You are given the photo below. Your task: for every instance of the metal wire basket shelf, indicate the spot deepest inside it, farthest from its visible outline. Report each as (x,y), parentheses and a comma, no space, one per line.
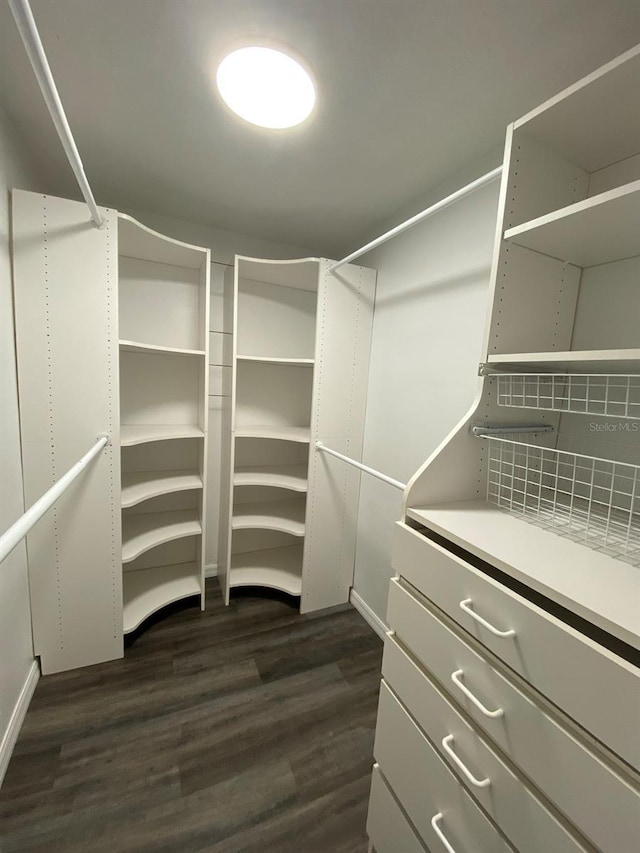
(592,501)
(581,393)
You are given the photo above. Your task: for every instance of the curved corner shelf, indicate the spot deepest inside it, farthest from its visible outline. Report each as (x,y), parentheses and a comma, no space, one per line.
(142,433)
(148,590)
(285,516)
(136,346)
(278,433)
(597,230)
(263,359)
(298,273)
(276,568)
(136,240)
(293,477)
(138,486)
(142,532)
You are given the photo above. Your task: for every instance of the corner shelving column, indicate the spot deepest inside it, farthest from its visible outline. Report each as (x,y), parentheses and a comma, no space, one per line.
(163,319)
(301,353)
(273,372)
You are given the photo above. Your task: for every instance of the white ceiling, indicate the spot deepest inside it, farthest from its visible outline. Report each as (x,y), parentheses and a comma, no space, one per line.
(409,92)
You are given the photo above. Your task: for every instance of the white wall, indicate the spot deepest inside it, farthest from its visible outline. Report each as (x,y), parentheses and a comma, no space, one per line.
(16,650)
(224,245)
(428,326)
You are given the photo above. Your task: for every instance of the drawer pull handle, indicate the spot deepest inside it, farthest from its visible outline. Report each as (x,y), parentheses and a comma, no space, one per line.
(455,677)
(478,783)
(435,823)
(464,605)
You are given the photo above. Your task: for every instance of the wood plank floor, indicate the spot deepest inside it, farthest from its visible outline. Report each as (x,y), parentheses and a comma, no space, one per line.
(248,728)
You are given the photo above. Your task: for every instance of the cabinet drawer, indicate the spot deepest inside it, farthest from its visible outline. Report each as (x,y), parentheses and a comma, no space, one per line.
(387,827)
(578,663)
(426,788)
(521,816)
(602,804)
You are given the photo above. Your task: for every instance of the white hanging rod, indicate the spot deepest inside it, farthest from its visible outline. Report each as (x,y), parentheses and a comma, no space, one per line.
(23,525)
(395,483)
(429,211)
(35,51)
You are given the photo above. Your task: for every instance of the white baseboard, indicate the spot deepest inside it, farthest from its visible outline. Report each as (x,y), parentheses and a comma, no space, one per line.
(211,570)
(17,718)
(368,614)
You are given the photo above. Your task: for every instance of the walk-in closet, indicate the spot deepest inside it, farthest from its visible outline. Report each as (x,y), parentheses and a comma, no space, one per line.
(319,426)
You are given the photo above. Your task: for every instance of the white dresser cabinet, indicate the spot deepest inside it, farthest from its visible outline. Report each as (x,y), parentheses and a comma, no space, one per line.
(511,670)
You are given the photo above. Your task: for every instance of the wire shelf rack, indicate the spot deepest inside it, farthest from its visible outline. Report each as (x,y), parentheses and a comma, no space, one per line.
(592,501)
(615,396)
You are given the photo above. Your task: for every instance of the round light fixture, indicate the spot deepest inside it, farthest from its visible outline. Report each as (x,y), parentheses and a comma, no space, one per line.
(266,87)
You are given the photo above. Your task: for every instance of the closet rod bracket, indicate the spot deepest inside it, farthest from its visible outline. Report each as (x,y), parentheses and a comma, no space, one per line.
(509,429)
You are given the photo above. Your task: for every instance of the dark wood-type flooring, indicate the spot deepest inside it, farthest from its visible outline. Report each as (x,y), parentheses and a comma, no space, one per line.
(248,728)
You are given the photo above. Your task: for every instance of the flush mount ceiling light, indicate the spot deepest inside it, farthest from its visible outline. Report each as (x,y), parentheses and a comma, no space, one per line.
(266,87)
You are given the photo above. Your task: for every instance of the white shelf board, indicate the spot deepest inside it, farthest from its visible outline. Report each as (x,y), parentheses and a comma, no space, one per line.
(276,568)
(593,585)
(147,590)
(264,359)
(145,531)
(138,486)
(136,346)
(594,231)
(613,360)
(286,516)
(292,477)
(282,433)
(141,433)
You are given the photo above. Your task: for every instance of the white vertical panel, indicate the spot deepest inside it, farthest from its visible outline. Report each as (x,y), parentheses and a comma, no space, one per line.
(534,300)
(66,286)
(221,304)
(229,284)
(539,181)
(220,349)
(220,359)
(343,342)
(203,321)
(608,310)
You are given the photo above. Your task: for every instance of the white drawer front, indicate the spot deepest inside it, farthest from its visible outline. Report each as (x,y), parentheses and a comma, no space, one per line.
(426,788)
(521,816)
(387,826)
(577,662)
(603,805)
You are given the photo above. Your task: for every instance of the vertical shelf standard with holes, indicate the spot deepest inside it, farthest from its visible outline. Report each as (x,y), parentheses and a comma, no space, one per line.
(163,321)
(66,316)
(519,550)
(300,366)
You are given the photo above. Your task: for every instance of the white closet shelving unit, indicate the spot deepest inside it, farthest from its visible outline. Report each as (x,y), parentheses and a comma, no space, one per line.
(562,350)
(112,337)
(517,561)
(163,323)
(301,351)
